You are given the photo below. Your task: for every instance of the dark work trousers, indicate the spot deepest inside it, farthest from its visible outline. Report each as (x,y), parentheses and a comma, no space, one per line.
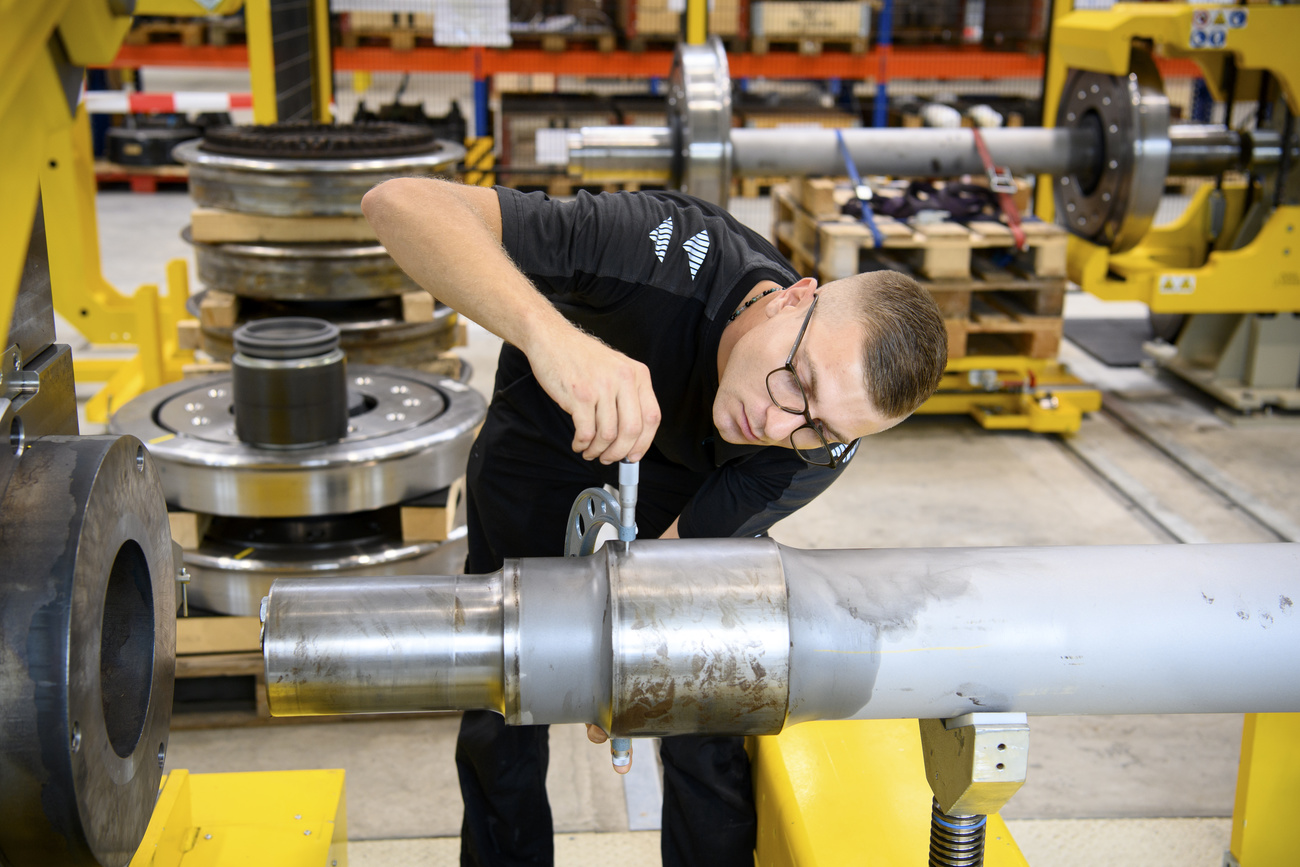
(522,479)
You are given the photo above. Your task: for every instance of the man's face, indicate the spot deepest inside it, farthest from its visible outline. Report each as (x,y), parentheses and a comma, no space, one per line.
(829,365)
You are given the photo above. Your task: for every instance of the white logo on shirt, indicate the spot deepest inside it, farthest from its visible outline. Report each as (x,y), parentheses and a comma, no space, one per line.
(662,234)
(839,451)
(696,249)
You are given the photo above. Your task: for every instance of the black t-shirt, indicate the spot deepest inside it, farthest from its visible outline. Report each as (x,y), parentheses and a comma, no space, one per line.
(656,275)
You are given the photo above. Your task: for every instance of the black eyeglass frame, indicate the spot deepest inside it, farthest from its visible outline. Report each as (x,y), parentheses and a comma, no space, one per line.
(811,423)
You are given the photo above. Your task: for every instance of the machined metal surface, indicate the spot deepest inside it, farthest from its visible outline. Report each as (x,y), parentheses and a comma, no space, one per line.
(231,580)
(287,187)
(699,109)
(289,383)
(1113,201)
(872,634)
(410,433)
(300,272)
(88,648)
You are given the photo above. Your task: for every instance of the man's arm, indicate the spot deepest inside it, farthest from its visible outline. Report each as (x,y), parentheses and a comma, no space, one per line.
(447,237)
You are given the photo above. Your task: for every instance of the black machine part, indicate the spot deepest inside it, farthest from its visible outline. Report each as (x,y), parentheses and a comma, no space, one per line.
(303,140)
(290,383)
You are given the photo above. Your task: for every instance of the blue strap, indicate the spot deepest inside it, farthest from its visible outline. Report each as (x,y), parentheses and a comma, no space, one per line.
(980,824)
(867,216)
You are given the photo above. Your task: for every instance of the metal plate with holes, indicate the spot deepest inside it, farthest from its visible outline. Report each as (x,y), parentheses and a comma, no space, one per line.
(301,187)
(411,436)
(699,108)
(300,272)
(1113,202)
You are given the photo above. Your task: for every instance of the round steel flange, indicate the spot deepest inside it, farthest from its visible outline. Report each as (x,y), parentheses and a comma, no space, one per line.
(300,272)
(409,434)
(1113,201)
(88,646)
(227,577)
(699,112)
(302,187)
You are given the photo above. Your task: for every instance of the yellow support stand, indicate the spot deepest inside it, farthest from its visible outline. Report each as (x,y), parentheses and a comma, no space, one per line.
(1263,817)
(261,60)
(1011,392)
(836,793)
(697,21)
(285,818)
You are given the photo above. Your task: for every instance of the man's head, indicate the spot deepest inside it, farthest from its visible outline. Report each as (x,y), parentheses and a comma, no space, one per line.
(873,351)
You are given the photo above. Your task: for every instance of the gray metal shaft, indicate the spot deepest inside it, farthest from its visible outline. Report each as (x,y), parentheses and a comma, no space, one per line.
(908,152)
(647,151)
(746,636)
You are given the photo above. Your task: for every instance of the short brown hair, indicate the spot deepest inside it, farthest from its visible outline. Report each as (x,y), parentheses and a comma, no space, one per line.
(905,344)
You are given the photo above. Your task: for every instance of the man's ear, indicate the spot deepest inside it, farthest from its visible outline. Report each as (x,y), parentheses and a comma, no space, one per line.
(792,295)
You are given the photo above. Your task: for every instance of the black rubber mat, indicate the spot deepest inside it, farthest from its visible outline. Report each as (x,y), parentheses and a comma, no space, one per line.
(1114,342)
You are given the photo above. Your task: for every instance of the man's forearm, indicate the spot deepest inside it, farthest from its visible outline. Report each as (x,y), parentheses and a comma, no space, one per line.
(448,239)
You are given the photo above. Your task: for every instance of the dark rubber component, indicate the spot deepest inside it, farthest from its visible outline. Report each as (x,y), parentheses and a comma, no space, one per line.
(316,141)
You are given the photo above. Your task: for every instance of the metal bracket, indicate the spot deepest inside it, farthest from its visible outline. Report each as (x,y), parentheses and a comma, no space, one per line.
(977,761)
(14,380)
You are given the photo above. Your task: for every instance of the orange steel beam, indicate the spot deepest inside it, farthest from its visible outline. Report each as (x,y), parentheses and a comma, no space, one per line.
(905,63)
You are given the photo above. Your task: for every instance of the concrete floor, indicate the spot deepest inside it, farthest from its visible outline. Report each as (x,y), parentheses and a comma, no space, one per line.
(1117,791)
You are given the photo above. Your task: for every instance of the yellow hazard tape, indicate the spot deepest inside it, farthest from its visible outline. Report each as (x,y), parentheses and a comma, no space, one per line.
(480,162)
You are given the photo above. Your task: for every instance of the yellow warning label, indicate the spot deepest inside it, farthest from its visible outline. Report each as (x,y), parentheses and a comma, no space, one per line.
(1177,284)
(1220,18)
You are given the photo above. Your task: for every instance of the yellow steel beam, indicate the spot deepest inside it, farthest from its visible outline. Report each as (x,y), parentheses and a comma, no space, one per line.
(697,21)
(261,60)
(1263,817)
(836,793)
(322,63)
(185,8)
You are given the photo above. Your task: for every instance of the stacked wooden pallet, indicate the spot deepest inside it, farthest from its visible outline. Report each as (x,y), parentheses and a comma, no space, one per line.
(996,299)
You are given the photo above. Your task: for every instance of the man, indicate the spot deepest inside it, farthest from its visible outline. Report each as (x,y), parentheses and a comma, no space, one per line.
(608,304)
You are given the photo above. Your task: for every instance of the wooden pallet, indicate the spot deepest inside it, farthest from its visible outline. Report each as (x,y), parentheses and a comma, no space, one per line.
(605,41)
(931,251)
(808,46)
(994,305)
(188,33)
(752,187)
(397,31)
(141,179)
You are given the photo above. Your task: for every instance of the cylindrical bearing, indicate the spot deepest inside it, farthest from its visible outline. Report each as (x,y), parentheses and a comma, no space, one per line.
(289,382)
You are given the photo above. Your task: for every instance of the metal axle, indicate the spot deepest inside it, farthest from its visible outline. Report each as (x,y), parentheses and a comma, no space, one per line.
(745,636)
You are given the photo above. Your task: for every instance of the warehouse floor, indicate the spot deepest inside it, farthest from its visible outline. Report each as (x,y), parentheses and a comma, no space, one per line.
(1117,791)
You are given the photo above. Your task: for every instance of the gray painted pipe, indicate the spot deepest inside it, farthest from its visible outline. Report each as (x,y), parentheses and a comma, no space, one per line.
(744,636)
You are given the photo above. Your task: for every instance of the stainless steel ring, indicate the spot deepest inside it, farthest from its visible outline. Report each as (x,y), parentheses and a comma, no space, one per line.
(296,187)
(699,105)
(300,272)
(1114,203)
(394,452)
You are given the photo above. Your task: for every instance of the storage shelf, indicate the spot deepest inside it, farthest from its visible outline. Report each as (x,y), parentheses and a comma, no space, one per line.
(904,63)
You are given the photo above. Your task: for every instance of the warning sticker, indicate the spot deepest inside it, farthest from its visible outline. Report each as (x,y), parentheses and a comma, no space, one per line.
(1177,284)
(1210,26)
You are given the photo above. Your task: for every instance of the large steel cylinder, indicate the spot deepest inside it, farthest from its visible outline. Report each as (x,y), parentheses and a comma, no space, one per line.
(87,651)
(745,636)
(290,385)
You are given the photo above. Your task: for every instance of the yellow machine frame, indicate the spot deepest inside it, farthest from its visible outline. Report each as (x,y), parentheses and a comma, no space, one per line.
(1170,270)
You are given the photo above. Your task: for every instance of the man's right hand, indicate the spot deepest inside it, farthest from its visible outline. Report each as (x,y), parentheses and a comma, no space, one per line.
(610,396)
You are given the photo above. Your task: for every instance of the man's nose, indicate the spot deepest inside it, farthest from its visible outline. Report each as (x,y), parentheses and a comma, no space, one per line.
(779,424)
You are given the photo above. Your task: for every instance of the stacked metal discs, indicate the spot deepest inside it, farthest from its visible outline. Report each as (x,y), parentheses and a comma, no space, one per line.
(301,175)
(297,465)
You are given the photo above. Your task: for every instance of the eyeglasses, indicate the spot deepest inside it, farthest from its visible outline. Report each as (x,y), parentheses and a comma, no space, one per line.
(786,391)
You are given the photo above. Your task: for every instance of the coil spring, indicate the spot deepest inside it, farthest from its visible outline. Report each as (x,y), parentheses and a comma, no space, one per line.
(956,841)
